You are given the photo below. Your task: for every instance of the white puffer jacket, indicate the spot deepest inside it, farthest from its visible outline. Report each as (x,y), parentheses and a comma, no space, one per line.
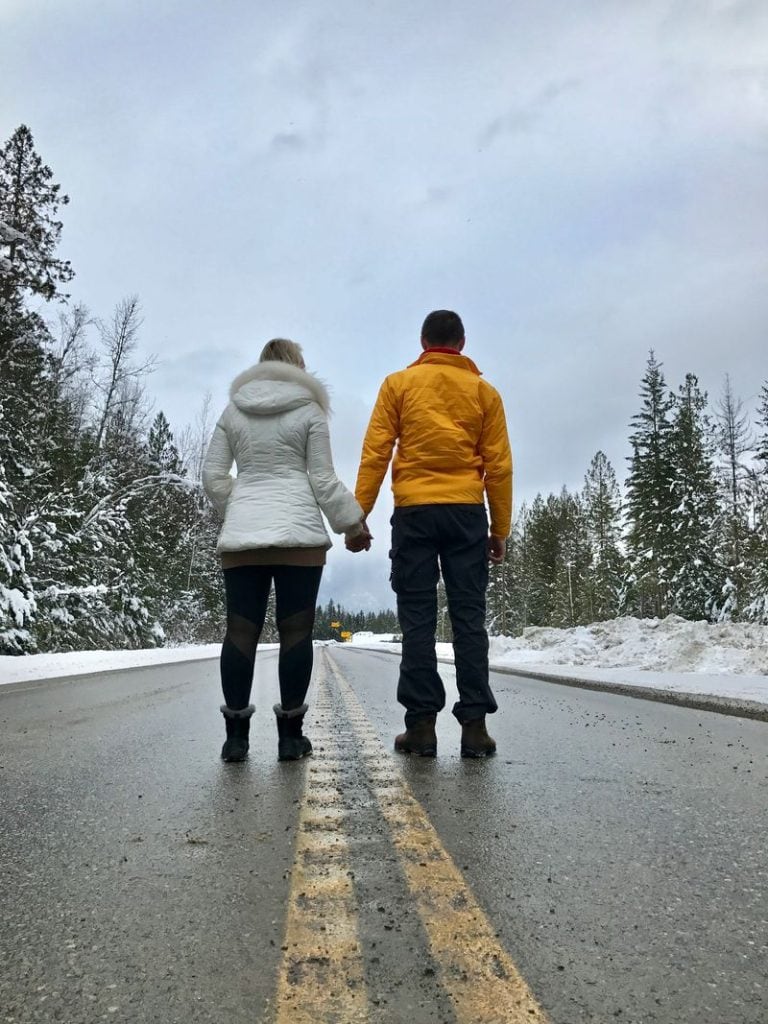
(275,429)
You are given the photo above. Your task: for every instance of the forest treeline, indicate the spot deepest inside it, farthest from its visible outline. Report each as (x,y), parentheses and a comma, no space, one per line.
(688,535)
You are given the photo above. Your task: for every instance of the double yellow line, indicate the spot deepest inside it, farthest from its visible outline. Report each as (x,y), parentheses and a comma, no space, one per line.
(322,977)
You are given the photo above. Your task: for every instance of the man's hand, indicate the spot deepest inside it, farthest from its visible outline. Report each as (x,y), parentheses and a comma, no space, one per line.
(358,538)
(496,548)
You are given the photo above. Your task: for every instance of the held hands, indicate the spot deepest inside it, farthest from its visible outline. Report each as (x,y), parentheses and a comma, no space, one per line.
(496,548)
(358,538)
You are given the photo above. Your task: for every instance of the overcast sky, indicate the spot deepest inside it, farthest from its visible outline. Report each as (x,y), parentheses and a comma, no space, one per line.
(580,181)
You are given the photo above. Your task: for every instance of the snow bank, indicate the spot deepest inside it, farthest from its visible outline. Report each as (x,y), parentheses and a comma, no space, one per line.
(671,644)
(365,637)
(671,654)
(25,668)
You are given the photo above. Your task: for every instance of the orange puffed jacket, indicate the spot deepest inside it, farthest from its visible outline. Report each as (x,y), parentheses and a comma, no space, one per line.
(451,434)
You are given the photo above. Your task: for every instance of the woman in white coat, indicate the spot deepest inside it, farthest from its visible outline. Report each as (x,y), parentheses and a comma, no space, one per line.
(275,429)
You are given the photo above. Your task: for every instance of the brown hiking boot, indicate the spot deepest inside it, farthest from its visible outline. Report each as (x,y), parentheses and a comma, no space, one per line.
(419,739)
(475,741)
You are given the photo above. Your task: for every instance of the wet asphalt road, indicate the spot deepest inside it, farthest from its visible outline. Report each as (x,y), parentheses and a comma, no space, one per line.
(618,848)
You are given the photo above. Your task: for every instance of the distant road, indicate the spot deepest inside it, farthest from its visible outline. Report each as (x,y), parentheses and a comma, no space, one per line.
(609,865)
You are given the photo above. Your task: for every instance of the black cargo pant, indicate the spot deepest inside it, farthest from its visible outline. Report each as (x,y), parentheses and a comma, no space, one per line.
(457,536)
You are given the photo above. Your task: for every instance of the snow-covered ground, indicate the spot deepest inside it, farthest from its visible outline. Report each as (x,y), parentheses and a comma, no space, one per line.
(75,663)
(667,645)
(670,654)
(729,660)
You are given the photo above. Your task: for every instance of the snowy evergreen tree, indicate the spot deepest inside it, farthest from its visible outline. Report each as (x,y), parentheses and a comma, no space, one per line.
(500,596)
(570,586)
(552,560)
(199,612)
(520,558)
(541,561)
(756,609)
(31,408)
(162,516)
(22,368)
(602,511)
(509,583)
(650,500)
(697,578)
(734,443)
(444,631)
(29,203)
(28,404)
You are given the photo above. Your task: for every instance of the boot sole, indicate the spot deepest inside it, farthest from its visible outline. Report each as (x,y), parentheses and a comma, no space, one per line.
(477,754)
(294,757)
(426,752)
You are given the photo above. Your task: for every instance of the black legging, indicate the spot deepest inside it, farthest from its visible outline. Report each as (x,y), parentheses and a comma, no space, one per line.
(247,588)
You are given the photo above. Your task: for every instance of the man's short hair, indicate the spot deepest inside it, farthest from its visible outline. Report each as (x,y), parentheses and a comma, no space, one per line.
(443,328)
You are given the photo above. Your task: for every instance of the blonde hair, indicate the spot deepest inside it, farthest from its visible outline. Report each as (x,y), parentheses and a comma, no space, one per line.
(281,350)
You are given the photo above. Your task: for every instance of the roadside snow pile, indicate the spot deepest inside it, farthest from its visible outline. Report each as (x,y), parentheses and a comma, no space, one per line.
(27,667)
(671,645)
(366,637)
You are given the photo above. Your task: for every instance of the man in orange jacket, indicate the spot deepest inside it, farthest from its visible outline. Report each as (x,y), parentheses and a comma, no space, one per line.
(452,452)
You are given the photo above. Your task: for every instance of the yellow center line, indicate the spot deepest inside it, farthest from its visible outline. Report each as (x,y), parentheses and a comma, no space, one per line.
(477,973)
(321,979)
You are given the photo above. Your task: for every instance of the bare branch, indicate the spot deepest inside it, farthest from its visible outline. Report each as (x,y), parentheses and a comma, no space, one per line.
(119,341)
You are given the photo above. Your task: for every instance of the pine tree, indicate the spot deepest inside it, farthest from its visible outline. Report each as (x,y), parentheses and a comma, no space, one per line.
(29,203)
(200,614)
(553,562)
(756,609)
(570,590)
(520,576)
(22,369)
(649,499)
(541,560)
(733,444)
(696,578)
(29,396)
(163,521)
(444,632)
(500,596)
(602,512)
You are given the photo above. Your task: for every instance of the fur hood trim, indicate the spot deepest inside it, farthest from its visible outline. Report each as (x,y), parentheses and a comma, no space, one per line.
(287,373)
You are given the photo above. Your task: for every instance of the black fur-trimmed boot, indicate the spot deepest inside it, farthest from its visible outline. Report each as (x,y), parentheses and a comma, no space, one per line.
(292,744)
(238,725)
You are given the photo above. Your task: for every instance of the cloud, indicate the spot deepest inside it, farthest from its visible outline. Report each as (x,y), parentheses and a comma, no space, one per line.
(289,141)
(526,116)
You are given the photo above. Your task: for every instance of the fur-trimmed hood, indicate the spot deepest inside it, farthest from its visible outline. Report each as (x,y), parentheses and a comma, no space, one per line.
(273,387)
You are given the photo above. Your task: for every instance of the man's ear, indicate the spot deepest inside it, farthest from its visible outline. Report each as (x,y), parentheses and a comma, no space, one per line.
(424,344)
(461,344)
